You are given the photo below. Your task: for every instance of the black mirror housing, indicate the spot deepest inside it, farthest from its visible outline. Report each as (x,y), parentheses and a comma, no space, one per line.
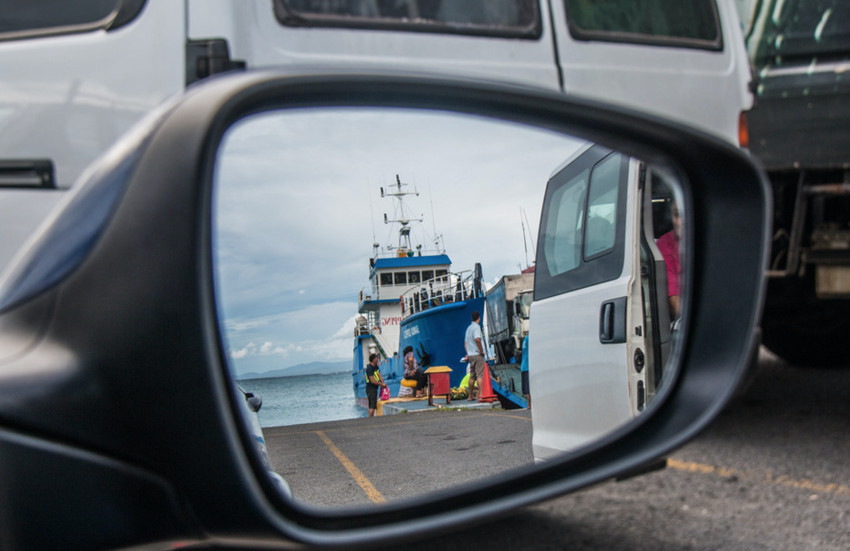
(113,372)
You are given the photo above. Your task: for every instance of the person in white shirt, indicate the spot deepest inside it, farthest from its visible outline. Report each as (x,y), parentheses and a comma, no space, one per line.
(474,344)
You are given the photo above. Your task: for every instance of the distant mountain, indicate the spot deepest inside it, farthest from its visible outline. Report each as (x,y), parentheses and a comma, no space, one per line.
(312,368)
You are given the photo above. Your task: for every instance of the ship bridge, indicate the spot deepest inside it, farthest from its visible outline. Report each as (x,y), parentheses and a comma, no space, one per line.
(392,277)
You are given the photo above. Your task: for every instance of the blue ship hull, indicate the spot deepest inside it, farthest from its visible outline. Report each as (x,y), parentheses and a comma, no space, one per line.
(436,336)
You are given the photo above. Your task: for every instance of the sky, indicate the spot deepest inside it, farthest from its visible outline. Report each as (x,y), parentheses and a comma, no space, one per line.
(297,207)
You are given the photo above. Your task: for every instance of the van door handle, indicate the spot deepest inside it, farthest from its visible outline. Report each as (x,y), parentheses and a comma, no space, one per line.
(27,174)
(606,322)
(612,321)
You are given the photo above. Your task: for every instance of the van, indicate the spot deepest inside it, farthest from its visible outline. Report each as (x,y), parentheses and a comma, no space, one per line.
(77,76)
(604,315)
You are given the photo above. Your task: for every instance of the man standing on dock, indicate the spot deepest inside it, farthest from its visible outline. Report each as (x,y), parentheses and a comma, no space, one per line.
(374,379)
(474,344)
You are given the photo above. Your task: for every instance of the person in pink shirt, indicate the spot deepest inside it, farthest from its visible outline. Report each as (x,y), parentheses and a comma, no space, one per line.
(668,246)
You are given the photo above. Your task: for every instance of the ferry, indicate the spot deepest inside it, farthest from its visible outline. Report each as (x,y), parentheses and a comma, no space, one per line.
(414,299)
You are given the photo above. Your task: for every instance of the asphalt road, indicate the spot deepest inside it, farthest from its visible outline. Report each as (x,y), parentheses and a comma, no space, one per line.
(772,472)
(380,459)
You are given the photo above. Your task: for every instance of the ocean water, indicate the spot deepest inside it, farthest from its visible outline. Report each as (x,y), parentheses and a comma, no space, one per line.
(304,399)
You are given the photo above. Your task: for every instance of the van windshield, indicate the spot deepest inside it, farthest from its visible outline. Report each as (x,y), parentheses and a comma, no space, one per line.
(693,23)
(798,31)
(514,18)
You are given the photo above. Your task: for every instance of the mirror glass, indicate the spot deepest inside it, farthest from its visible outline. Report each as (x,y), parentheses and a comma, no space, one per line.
(353,249)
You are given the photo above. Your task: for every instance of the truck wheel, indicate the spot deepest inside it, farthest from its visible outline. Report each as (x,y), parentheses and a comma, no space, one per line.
(804,330)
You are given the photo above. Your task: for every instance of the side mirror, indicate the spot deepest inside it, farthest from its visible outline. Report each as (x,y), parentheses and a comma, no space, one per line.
(254,403)
(202,228)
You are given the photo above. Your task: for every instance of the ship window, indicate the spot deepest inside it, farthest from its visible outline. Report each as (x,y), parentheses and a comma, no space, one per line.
(693,24)
(386,280)
(427,274)
(413,277)
(400,278)
(441,273)
(505,18)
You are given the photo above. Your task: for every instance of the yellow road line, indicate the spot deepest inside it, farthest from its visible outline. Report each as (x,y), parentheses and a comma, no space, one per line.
(509,416)
(701,468)
(361,427)
(352,469)
(781,480)
(419,420)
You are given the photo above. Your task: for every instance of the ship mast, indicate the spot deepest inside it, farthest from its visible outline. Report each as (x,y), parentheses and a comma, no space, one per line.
(398,192)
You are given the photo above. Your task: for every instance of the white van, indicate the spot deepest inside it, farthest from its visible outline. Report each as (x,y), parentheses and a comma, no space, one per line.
(77,75)
(601,318)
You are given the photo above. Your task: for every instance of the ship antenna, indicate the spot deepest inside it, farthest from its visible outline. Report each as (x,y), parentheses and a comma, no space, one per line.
(404,231)
(530,236)
(437,237)
(524,243)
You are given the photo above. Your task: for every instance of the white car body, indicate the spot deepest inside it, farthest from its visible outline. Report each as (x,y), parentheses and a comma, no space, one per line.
(249,407)
(600,320)
(68,93)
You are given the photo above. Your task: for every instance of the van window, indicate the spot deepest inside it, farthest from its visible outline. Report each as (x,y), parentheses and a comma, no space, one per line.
(602,208)
(30,18)
(509,18)
(582,240)
(691,23)
(563,230)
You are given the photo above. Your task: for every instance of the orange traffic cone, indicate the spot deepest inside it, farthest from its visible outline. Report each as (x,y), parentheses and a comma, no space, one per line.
(485,394)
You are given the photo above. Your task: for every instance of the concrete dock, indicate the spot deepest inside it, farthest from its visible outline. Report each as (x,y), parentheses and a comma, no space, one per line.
(394,406)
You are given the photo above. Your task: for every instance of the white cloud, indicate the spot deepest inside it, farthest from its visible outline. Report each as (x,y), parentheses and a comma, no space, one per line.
(295,337)
(347,329)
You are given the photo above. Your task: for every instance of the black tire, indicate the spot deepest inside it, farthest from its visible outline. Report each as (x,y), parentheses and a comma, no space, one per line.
(802,329)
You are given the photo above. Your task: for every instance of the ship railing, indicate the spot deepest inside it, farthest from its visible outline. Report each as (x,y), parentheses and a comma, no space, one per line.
(376,294)
(365,325)
(404,252)
(453,287)
(383,348)
(368,326)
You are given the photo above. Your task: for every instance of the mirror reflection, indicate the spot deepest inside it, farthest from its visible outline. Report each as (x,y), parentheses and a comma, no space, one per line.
(425,299)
